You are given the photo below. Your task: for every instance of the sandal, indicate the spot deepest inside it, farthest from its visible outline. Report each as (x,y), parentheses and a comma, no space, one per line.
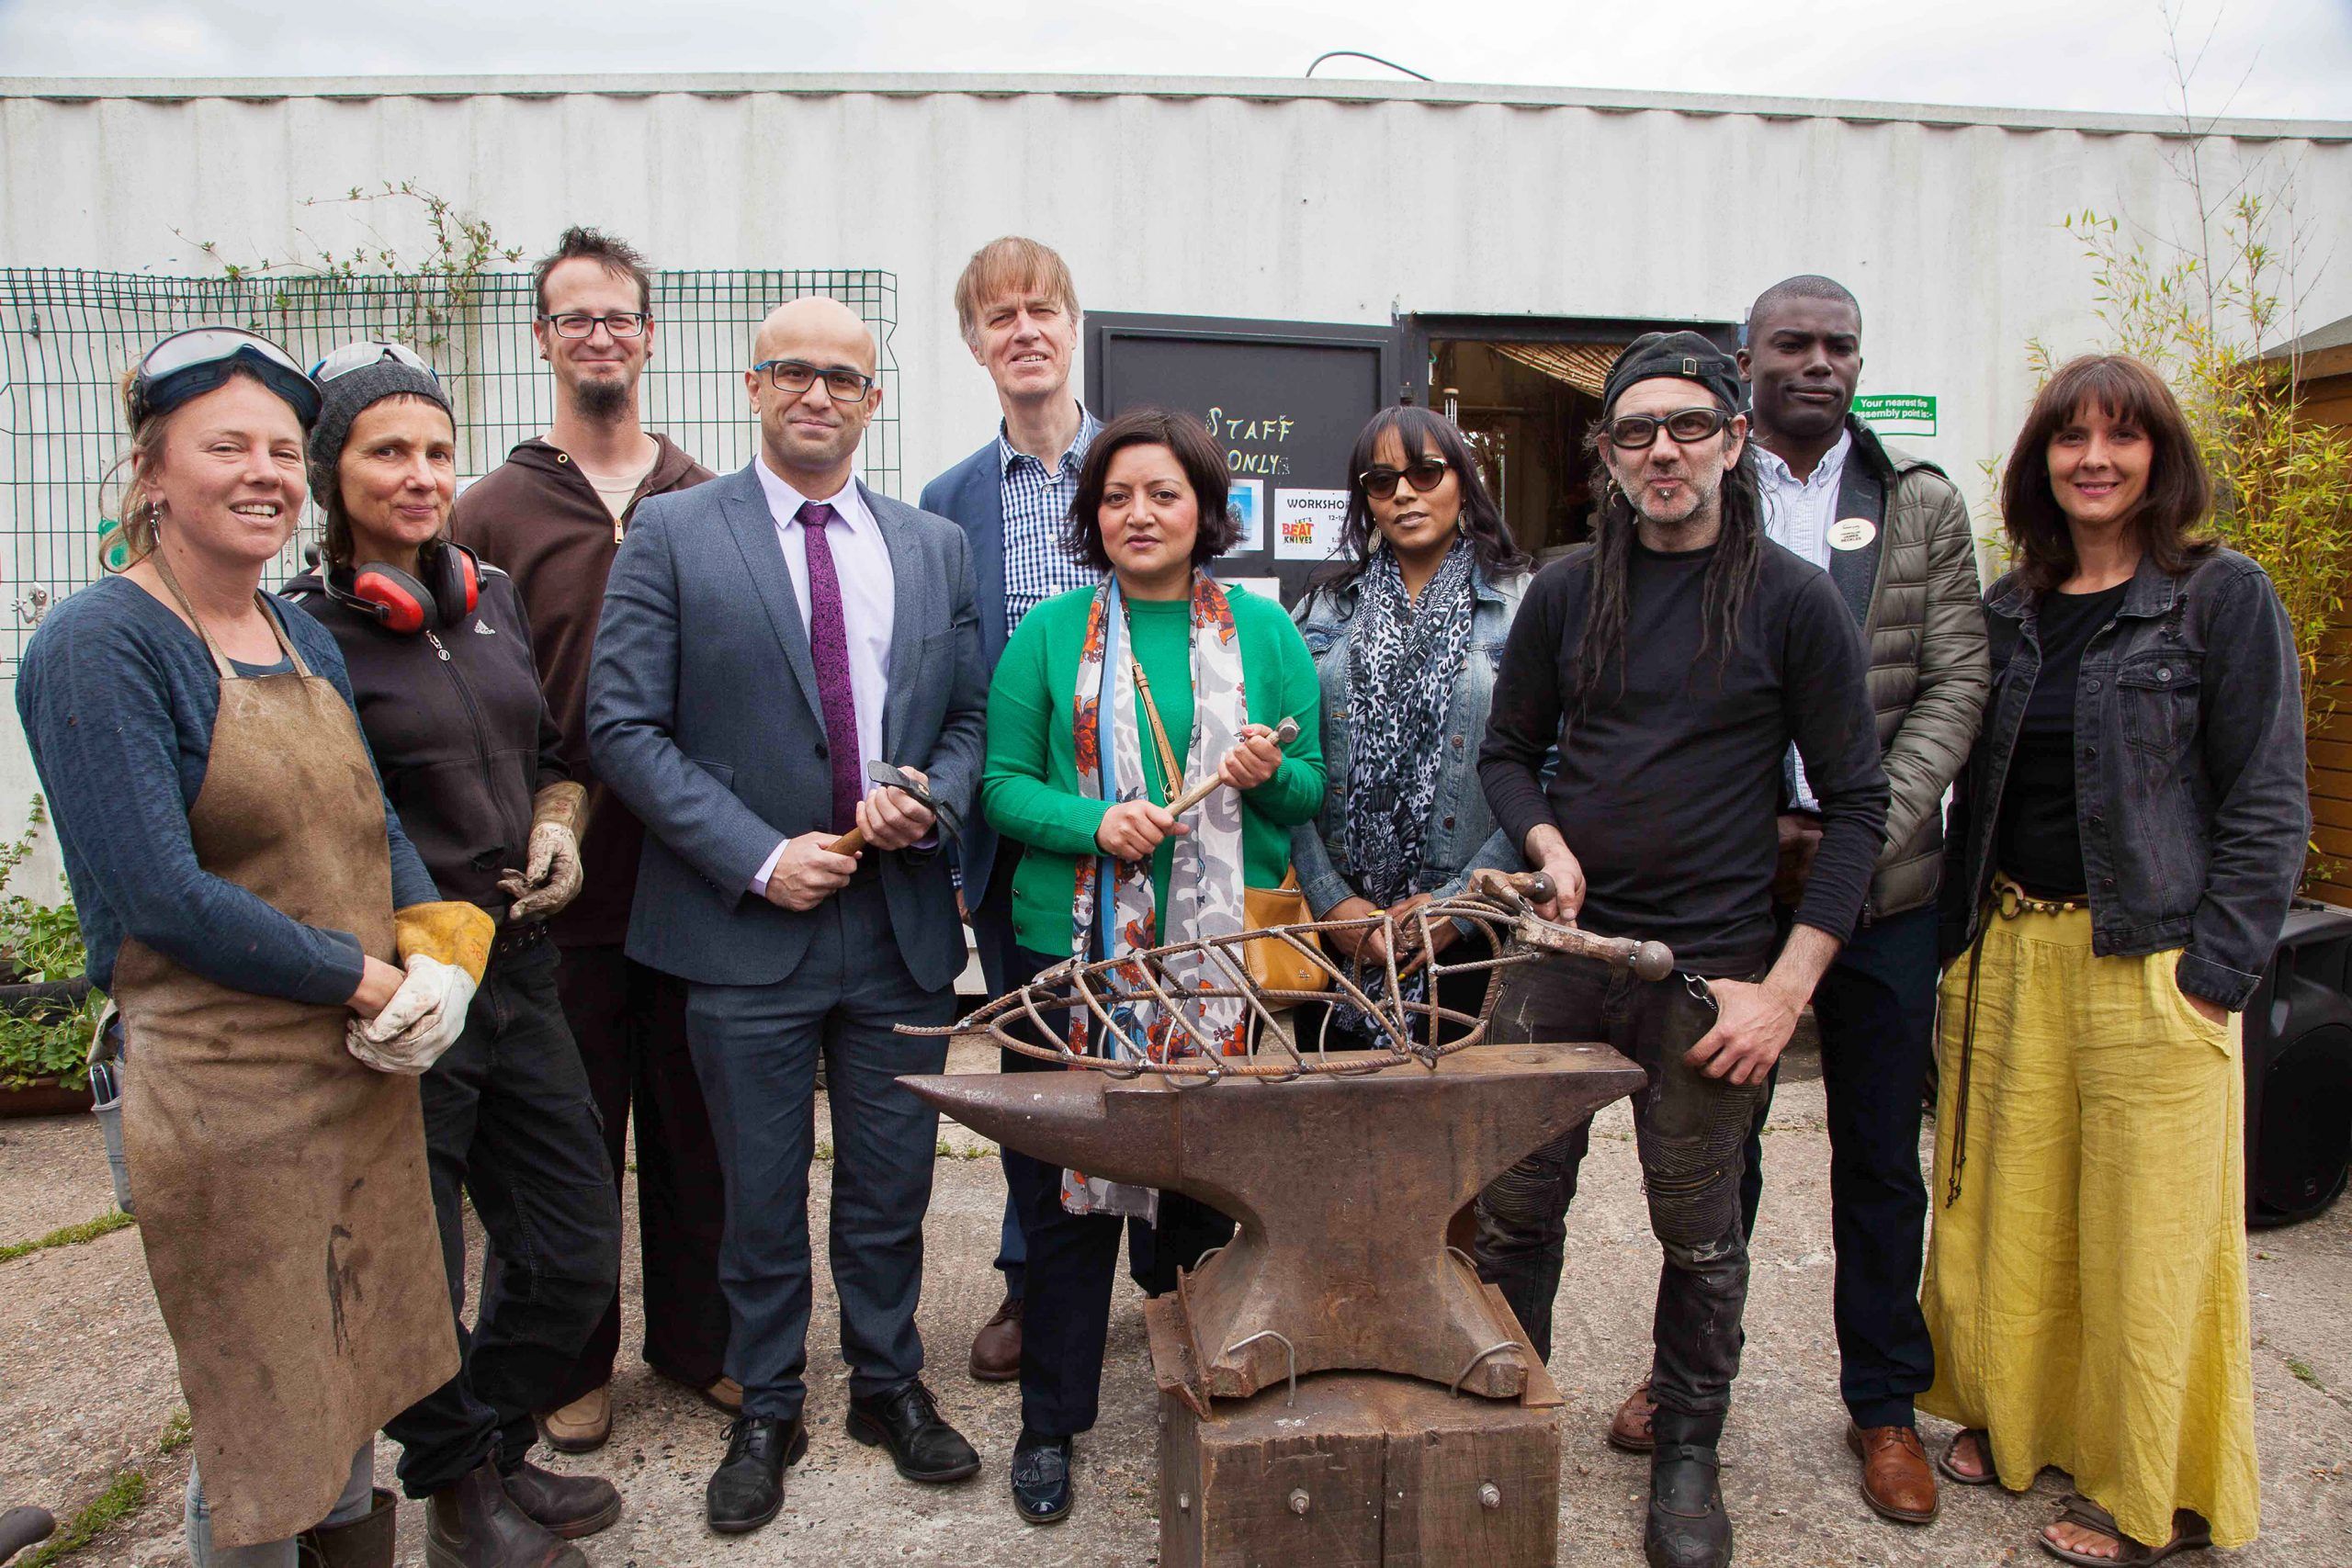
(1960,1477)
(2189,1533)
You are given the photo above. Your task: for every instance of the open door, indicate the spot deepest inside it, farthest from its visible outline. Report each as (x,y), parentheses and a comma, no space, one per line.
(1283,402)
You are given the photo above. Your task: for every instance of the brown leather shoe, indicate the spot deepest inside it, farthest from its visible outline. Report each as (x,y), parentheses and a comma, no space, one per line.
(1629,1429)
(1897,1481)
(725,1394)
(474,1525)
(996,1348)
(581,1426)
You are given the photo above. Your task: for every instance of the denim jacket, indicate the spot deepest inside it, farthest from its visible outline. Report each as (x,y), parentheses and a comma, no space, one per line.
(1461,835)
(2190,795)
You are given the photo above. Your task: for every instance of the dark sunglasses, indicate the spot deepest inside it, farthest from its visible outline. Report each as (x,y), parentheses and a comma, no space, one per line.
(1639,432)
(366,352)
(190,364)
(1424,474)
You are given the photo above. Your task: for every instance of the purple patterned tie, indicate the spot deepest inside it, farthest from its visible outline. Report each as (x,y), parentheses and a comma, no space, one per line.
(829,646)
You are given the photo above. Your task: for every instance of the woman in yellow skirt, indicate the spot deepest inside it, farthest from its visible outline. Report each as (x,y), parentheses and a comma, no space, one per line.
(2133,822)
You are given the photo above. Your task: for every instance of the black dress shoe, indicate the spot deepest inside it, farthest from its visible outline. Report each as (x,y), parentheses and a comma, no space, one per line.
(906,1421)
(566,1506)
(1687,1527)
(1041,1478)
(747,1489)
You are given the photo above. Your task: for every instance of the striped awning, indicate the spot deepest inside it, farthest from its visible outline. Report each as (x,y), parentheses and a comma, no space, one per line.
(1583,365)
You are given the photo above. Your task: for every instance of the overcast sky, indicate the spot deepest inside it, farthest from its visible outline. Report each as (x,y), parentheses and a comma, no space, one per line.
(2284,58)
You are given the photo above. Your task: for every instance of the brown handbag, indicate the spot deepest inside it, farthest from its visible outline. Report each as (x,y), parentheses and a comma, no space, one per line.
(1274,964)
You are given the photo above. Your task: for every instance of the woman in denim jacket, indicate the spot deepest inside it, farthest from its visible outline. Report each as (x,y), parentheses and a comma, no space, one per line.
(1405,634)
(2132,822)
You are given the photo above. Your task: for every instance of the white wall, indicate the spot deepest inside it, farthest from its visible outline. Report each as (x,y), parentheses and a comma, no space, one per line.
(1339,202)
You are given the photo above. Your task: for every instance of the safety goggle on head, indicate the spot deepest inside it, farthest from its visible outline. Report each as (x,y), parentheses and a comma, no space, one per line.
(189,363)
(366,352)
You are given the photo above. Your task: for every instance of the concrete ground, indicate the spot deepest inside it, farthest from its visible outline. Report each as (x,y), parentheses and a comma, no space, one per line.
(87,1390)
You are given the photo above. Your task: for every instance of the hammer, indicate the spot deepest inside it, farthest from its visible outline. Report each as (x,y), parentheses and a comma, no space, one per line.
(1647,960)
(896,778)
(1285,733)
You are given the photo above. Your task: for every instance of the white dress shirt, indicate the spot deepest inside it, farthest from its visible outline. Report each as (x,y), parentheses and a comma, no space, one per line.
(1797,514)
(869,604)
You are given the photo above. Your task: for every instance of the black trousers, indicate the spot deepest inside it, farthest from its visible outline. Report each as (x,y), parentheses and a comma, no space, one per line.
(1001,967)
(1073,1260)
(508,1120)
(1688,1129)
(631,1023)
(1876,1009)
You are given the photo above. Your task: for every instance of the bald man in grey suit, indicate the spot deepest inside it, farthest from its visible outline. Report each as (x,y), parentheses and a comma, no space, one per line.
(766,637)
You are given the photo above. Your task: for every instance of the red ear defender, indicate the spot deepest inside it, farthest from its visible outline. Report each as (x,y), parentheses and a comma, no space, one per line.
(466,575)
(392,595)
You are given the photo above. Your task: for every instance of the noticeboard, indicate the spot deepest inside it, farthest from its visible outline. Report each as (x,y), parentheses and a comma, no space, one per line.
(1283,401)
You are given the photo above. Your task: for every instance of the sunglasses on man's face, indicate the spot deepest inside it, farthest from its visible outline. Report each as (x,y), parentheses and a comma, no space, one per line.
(1639,432)
(1424,474)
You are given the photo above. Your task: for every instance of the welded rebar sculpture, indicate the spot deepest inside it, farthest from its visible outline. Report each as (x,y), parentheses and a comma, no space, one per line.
(1342,1168)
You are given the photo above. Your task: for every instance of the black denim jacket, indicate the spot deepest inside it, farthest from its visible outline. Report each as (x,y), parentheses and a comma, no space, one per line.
(2190,792)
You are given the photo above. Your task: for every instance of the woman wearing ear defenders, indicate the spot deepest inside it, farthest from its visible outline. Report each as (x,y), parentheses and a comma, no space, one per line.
(237,871)
(440,661)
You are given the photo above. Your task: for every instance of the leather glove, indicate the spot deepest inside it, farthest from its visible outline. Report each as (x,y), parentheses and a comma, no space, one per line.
(550,875)
(445,947)
(423,1020)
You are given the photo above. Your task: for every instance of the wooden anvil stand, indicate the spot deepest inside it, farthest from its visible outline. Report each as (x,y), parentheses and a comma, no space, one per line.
(1338,1390)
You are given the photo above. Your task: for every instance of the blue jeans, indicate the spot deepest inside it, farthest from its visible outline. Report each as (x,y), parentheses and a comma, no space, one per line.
(755,1048)
(359,1496)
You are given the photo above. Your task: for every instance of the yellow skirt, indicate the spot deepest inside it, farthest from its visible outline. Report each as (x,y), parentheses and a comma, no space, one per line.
(2087,1292)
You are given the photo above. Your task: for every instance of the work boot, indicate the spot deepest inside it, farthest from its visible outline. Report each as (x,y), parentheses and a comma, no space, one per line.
(475,1524)
(363,1542)
(566,1506)
(1687,1527)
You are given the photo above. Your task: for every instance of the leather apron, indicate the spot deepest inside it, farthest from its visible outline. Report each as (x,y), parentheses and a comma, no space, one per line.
(283,1199)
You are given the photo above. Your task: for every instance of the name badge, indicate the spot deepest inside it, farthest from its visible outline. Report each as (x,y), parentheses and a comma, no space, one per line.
(1851,533)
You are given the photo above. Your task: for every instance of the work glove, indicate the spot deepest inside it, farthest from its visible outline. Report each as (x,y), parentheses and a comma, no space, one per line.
(550,875)
(445,947)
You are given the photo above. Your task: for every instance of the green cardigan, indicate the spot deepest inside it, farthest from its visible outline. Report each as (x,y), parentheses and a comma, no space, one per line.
(1030,792)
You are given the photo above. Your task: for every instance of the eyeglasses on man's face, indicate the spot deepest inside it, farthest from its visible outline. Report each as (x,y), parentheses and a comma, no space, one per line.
(579,324)
(842,384)
(1639,432)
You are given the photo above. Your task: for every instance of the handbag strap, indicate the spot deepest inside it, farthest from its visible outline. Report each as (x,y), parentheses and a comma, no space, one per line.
(1171,773)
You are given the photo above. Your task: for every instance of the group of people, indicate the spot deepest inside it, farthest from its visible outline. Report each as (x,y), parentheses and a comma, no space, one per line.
(616,791)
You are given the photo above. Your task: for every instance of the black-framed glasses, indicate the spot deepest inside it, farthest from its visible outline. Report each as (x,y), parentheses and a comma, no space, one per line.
(843,385)
(1639,432)
(366,352)
(579,324)
(1424,473)
(189,363)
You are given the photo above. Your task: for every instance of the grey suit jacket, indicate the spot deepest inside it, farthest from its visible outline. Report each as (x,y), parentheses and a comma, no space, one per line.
(703,715)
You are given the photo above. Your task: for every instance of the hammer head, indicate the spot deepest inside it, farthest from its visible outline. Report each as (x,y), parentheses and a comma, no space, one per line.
(891,776)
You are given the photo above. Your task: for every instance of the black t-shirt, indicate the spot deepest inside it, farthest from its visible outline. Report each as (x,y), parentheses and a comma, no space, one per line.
(2038,838)
(1668,787)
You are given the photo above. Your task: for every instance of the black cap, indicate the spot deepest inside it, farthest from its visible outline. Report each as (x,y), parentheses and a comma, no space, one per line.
(1683,357)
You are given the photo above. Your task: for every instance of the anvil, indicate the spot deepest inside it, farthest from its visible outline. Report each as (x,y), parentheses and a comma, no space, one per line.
(1341,1185)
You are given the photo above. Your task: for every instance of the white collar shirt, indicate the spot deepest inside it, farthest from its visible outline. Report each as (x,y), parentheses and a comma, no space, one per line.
(869,606)
(1798,512)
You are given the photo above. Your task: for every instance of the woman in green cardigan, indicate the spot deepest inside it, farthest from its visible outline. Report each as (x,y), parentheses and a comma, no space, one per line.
(1107,702)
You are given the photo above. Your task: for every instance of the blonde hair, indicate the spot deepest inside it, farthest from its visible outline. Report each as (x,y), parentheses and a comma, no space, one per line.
(135,504)
(1012,265)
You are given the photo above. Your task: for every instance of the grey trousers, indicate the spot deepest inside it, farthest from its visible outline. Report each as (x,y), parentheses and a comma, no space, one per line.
(359,1496)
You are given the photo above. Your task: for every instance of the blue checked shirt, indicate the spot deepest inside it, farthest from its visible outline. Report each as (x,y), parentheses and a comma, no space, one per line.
(1036,503)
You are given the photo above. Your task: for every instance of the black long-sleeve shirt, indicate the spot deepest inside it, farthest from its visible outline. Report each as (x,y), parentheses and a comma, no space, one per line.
(1669,784)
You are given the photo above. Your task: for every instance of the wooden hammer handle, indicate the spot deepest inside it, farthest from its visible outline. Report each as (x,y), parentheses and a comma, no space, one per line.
(1285,733)
(849,843)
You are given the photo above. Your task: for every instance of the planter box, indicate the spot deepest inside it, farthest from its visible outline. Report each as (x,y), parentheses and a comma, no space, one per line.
(43,1097)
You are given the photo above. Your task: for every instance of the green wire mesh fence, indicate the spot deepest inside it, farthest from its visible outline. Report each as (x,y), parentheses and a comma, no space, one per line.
(66,336)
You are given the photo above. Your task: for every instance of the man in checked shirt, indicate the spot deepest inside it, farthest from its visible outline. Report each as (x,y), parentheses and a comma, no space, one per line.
(1018,309)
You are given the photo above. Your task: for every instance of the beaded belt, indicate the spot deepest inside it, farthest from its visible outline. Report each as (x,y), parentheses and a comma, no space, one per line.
(2011,900)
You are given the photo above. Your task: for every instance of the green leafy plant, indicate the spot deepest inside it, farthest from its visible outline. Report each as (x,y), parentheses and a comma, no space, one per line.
(41,941)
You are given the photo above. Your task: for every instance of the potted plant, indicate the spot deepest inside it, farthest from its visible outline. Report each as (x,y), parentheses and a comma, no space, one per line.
(47,1008)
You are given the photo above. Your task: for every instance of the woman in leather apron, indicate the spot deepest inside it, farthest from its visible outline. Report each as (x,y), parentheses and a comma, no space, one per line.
(236,872)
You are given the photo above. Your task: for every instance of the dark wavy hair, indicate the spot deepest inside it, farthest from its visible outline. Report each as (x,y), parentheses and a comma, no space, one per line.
(1731,574)
(1204,467)
(2180,491)
(1419,432)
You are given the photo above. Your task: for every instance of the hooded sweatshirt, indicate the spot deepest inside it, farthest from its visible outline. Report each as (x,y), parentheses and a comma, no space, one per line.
(537,517)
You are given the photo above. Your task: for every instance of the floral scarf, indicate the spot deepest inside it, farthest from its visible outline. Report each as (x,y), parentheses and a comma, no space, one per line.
(1112,909)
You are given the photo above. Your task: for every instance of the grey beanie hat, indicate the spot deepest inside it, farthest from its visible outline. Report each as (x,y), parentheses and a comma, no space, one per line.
(341,400)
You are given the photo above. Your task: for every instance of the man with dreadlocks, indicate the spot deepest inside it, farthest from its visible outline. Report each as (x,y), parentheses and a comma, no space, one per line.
(1672,662)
